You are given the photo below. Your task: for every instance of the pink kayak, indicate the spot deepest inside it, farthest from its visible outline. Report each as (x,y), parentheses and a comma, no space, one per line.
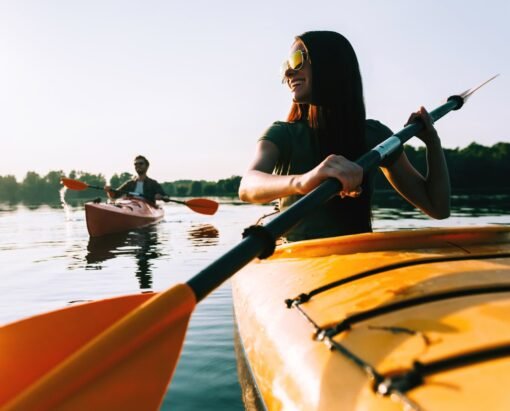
(123,215)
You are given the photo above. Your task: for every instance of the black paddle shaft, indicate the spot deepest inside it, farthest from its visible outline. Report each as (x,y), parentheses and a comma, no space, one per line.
(260,242)
(121,192)
(166,199)
(113,190)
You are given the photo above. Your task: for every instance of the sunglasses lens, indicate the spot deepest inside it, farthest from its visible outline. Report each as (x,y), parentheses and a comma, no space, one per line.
(296,60)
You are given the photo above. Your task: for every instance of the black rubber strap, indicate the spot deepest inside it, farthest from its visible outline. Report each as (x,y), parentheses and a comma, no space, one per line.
(264,234)
(305,297)
(407,380)
(347,322)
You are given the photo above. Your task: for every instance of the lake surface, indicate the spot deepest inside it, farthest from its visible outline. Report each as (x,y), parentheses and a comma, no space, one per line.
(48,261)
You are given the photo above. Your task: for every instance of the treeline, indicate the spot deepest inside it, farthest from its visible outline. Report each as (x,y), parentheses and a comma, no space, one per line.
(475,167)
(36,189)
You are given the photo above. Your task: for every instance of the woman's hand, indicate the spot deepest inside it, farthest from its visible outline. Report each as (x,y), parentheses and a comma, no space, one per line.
(347,172)
(429,193)
(429,134)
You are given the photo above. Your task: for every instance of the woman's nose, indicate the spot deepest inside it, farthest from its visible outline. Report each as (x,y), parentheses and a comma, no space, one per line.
(287,74)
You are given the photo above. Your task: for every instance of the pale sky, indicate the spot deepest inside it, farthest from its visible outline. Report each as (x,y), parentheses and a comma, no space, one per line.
(89,84)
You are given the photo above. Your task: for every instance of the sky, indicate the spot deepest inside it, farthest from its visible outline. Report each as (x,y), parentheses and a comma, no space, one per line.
(87,85)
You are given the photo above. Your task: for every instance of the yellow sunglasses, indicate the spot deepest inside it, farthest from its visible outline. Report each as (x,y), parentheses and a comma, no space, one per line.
(294,62)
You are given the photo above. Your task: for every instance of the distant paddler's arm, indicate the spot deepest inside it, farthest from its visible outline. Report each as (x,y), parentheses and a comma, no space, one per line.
(118,192)
(431,193)
(109,192)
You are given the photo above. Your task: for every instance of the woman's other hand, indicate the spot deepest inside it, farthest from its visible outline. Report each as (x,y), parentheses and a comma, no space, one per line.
(429,134)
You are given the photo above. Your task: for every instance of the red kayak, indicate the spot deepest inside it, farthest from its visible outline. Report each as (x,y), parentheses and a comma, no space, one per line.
(123,215)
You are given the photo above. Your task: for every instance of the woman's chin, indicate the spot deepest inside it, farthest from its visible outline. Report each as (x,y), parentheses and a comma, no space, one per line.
(300,98)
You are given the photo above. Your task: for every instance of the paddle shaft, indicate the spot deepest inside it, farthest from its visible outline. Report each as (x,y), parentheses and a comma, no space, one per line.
(254,244)
(166,199)
(169,200)
(118,191)
(101,188)
(113,190)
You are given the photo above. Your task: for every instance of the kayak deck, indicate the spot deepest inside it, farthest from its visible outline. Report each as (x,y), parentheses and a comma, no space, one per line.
(123,215)
(429,308)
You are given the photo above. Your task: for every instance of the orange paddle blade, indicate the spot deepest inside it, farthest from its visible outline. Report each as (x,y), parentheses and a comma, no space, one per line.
(111,354)
(74,184)
(203,205)
(57,334)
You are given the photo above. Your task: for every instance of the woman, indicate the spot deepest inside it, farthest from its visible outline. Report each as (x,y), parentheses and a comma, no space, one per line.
(326,131)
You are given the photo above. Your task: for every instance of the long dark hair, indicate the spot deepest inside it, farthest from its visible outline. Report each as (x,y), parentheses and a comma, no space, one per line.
(336,113)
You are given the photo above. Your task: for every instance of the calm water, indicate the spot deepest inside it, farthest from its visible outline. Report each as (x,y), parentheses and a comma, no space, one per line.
(48,261)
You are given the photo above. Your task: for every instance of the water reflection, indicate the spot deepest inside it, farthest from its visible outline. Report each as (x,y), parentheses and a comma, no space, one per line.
(397,214)
(203,235)
(480,204)
(143,244)
(100,249)
(34,206)
(7,208)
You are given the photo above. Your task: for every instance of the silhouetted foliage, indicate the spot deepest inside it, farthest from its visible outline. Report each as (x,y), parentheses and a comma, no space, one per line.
(474,168)
(195,188)
(118,179)
(9,189)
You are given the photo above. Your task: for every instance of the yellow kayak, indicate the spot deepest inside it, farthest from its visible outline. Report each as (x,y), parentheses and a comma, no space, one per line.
(415,319)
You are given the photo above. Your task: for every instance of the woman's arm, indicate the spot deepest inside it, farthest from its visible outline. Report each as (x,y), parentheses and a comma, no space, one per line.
(258,185)
(431,194)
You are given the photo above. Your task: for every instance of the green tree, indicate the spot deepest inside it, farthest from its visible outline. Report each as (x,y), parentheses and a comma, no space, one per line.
(182,190)
(169,188)
(9,189)
(118,179)
(228,186)
(52,186)
(32,188)
(196,188)
(209,189)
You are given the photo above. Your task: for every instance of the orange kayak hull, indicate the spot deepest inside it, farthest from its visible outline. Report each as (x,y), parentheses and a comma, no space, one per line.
(123,215)
(387,321)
